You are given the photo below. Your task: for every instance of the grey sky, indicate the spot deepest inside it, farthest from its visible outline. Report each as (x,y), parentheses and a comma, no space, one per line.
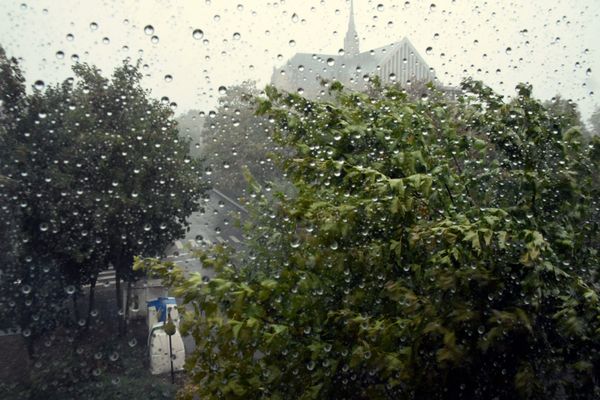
(552,43)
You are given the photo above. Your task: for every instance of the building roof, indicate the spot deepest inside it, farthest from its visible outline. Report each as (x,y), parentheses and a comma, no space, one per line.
(398,61)
(306,70)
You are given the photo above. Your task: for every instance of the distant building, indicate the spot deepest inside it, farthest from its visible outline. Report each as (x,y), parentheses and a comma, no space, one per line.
(399,62)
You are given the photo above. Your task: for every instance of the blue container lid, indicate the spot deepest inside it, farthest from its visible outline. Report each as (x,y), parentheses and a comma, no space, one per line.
(161,306)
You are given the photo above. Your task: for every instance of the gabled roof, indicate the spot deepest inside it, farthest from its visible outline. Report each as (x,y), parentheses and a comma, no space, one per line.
(306,70)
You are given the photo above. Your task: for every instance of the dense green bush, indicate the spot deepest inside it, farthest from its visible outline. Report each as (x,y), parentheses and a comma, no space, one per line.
(437,249)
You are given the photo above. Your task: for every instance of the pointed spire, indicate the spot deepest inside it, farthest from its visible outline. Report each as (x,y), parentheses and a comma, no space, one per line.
(351,41)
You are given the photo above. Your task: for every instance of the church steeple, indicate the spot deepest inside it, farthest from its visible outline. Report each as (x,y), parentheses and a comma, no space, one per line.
(351,39)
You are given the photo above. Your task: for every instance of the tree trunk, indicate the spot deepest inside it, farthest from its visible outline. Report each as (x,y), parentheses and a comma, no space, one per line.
(127,304)
(76,306)
(119,297)
(91,302)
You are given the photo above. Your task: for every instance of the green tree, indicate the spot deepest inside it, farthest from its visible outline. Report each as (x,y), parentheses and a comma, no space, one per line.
(235,139)
(435,249)
(595,121)
(32,295)
(565,113)
(103,176)
(190,129)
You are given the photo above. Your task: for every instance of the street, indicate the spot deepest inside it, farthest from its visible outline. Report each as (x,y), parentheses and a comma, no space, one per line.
(213,224)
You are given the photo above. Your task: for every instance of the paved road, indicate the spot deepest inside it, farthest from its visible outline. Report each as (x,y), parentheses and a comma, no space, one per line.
(214,224)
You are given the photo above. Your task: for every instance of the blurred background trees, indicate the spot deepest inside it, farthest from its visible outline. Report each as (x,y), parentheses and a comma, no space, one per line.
(234,138)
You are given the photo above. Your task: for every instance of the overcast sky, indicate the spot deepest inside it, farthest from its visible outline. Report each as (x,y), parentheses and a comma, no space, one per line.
(555,45)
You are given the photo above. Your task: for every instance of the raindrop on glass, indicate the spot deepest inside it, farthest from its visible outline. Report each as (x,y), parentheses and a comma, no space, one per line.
(198,34)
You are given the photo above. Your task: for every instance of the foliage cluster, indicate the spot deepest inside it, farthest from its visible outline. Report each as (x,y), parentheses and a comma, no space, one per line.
(93,173)
(235,139)
(436,248)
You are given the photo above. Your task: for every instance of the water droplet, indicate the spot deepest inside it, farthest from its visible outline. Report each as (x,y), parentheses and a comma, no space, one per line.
(295,18)
(432,7)
(39,85)
(93,26)
(60,55)
(237,36)
(132,342)
(429,50)
(149,30)
(380,7)
(70,289)
(105,40)
(198,34)
(333,245)
(43,226)
(147,227)
(70,37)
(588,72)
(155,39)
(292,43)
(330,62)
(222,90)
(26,289)
(508,50)
(114,356)
(168,78)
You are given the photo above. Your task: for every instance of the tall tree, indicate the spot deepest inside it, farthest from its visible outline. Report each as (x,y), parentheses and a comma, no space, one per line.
(436,249)
(103,175)
(32,295)
(595,121)
(235,139)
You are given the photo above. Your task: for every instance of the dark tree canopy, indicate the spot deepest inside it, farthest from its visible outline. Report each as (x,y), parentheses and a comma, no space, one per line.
(99,175)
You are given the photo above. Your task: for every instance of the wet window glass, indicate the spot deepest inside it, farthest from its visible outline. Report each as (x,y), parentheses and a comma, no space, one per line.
(320,199)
